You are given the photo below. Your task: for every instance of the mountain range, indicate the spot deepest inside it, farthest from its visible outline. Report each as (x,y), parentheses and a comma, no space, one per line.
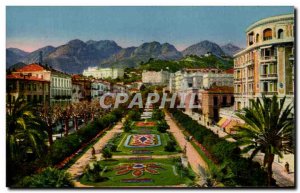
(76,55)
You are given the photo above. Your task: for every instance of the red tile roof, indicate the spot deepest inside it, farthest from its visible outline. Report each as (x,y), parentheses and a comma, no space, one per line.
(19,77)
(229,71)
(30,68)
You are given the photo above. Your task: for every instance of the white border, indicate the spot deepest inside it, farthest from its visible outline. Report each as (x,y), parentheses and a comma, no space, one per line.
(4,3)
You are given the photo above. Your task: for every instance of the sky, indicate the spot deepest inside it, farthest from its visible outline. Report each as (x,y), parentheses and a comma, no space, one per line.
(29,28)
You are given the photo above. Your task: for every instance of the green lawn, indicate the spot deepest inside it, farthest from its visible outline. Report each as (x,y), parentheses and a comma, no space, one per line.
(168,174)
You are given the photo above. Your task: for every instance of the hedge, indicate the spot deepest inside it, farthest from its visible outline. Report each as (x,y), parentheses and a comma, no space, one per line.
(66,146)
(246,172)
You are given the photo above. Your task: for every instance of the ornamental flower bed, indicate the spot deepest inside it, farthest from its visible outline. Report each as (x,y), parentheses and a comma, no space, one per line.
(145,124)
(142,140)
(138,169)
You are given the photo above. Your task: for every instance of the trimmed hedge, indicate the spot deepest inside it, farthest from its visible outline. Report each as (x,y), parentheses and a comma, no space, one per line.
(246,172)
(62,148)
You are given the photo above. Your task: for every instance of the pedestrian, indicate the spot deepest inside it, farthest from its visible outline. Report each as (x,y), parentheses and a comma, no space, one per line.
(93,151)
(287,167)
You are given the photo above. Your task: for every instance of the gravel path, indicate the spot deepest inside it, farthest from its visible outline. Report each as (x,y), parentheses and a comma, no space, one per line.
(192,155)
(78,167)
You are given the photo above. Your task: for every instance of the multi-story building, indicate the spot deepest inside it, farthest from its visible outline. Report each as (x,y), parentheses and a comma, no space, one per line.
(102,73)
(100,87)
(266,65)
(77,92)
(199,78)
(85,85)
(60,83)
(156,78)
(60,87)
(34,89)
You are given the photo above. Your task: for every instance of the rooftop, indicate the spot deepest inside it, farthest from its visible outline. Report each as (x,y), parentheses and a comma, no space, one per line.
(21,77)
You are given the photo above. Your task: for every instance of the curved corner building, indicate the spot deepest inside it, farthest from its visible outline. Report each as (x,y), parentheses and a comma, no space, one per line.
(266,65)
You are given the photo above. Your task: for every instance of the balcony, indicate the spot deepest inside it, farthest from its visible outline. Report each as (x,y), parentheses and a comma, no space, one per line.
(249,63)
(250,78)
(268,58)
(272,76)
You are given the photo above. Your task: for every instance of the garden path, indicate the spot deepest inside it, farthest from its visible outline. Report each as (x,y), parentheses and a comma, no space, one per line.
(192,155)
(78,167)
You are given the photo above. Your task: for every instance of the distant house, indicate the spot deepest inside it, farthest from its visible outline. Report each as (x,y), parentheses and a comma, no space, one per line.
(156,78)
(104,72)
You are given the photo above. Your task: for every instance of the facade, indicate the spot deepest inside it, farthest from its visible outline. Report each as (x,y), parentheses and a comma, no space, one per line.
(99,87)
(199,78)
(60,87)
(102,73)
(213,99)
(85,86)
(156,78)
(60,83)
(77,92)
(266,65)
(34,90)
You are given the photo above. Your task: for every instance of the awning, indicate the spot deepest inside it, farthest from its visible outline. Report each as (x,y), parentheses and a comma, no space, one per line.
(221,121)
(226,123)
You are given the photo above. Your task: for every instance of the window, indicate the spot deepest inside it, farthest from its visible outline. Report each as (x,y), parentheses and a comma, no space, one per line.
(257,38)
(280,34)
(267,34)
(265,87)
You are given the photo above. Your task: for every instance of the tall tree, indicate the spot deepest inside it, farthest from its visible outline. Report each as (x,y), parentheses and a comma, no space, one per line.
(50,116)
(268,129)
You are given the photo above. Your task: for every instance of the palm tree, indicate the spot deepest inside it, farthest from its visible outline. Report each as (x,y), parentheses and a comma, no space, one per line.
(23,131)
(268,129)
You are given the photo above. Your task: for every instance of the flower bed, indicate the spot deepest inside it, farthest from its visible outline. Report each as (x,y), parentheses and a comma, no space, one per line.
(145,124)
(142,140)
(137,169)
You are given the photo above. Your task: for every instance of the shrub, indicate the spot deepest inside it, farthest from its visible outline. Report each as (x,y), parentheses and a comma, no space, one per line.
(171,146)
(66,146)
(106,153)
(162,126)
(49,178)
(244,171)
(158,115)
(93,172)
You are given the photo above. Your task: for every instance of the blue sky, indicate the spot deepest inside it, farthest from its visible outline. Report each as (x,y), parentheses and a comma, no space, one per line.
(29,28)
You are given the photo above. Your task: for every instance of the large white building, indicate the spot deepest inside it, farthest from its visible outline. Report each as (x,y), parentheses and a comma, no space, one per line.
(201,78)
(104,72)
(156,78)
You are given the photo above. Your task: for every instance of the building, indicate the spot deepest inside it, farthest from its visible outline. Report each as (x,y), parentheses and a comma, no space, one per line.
(100,87)
(60,83)
(103,73)
(85,86)
(156,78)
(34,89)
(220,79)
(266,65)
(77,92)
(199,78)
(212,100)
(60,87)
